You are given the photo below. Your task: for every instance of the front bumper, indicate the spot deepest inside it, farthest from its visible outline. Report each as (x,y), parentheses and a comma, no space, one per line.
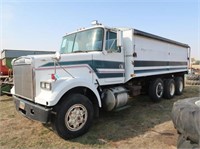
(32,111)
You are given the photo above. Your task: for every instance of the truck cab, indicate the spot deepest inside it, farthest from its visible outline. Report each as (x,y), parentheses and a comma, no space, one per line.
(95,48)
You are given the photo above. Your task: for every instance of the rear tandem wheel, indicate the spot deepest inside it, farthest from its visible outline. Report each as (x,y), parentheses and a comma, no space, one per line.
(156,90)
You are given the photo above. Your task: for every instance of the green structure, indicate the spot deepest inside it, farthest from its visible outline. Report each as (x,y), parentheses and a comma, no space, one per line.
(7,55)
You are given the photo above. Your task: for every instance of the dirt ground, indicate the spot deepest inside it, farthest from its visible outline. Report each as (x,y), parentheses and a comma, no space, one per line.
(143,125)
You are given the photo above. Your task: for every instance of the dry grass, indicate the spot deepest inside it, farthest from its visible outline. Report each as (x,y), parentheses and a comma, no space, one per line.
(143,125)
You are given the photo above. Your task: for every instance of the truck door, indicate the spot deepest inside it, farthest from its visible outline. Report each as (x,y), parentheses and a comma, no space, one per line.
(110,62)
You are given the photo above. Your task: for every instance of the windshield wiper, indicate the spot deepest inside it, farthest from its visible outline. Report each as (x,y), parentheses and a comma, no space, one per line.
(86,51)
(79,51)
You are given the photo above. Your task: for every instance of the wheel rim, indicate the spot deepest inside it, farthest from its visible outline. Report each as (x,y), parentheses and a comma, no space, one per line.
(159,90)
(76,117)
(172,89)
(180,86)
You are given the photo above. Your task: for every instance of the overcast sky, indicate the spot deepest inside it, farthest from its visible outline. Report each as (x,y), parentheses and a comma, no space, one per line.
(40,24)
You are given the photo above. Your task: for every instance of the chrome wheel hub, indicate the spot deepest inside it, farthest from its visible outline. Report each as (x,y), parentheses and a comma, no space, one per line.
(181,86)
(172,89)
(159,90)
(76,117)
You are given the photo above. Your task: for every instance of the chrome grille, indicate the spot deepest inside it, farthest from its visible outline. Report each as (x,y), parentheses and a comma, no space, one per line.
(23,80)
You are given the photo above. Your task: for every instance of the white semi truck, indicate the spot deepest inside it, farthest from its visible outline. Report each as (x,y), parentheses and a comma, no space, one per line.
(97,67)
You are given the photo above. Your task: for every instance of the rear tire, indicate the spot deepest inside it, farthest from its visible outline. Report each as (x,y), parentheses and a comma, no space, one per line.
(179,85)
(169,89)
(156,90)
(74,116)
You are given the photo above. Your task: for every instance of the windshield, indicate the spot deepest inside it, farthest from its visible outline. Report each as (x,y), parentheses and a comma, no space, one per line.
(84,41)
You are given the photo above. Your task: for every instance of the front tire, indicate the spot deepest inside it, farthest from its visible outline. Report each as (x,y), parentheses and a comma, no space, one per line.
(74,116)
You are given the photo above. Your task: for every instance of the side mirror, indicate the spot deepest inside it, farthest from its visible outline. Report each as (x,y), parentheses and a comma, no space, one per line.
(13,61)
(57,56)
(119,38)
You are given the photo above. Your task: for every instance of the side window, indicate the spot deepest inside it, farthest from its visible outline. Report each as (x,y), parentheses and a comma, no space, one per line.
(111,42)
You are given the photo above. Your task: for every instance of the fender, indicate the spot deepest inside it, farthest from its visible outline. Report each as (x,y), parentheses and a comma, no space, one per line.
(60,87)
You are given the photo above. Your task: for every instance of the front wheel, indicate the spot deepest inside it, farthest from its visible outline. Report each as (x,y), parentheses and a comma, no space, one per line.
(74,116)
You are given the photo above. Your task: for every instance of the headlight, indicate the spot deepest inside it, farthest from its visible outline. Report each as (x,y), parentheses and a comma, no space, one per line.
(45,85)
(48,86)
(42,84)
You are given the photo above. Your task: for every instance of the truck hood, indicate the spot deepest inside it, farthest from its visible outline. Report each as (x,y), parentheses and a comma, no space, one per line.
(46,63)
(43,61)
(34,60)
